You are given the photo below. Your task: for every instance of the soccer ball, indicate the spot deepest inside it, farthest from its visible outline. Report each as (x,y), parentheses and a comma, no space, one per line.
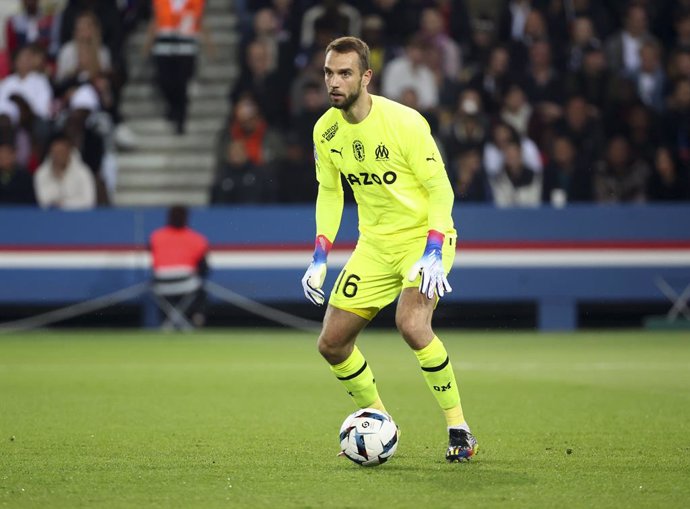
(368,437)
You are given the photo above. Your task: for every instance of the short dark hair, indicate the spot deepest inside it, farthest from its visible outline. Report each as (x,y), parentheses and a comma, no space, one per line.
(352,44)
(177,216)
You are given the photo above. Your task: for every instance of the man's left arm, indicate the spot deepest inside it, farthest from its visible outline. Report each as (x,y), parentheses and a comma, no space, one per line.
(425,160)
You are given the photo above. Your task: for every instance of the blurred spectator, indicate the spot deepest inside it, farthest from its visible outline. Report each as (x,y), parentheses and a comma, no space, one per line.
(543,84)
(84,56)
(513,19)
(583,35)
(650,78)
(63,181)
(108,25)
(566,179)
(411,71)
(501,135)
(341,17)
(481,44)
(593,80)
(623,48)
(179,256)
(16,184)
(30,26)
(619,177)
(109,21)
(432,31)
(265,84)
(312,72)
(468,177)
(667,182)
(29,84)
(469,126)
(31,95)
(583,128)
(516,111)
(640,127)
(401,18)
(535,31)
(595,11)
(241,180)
(492,79)
(172,38)
(515,184)
(302,122)
(280,53)
(682,26)
(677,122)
(679,65)
(380,51)
(262,145)
(457,19)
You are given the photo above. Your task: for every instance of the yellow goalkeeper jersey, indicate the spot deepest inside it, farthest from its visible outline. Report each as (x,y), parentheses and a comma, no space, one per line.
(394,167)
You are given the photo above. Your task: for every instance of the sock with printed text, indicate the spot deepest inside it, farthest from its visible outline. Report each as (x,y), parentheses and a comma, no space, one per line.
(439,376)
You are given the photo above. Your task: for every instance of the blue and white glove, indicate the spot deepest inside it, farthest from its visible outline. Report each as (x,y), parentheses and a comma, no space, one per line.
(430,267)
(316,273)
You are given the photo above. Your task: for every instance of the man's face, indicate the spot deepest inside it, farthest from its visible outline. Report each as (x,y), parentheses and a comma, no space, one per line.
(344,79)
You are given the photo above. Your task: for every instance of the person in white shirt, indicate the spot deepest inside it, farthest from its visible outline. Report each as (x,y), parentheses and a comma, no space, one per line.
(64,181)
(410,71)
(28,84)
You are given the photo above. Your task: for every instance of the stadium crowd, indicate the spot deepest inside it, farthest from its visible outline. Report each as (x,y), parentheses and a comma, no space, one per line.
(539,101)
(61,75)
(531,101)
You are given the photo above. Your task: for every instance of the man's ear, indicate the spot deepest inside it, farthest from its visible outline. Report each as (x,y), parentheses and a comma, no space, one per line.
(366,77)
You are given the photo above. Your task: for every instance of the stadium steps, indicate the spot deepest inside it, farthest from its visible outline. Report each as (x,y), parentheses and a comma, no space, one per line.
(166,168)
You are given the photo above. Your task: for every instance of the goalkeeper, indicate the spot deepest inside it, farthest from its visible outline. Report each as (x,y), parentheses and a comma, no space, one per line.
(406,243)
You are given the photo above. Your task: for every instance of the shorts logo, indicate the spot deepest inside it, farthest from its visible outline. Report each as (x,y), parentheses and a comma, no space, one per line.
(358,150)
(382,153)
(330,132)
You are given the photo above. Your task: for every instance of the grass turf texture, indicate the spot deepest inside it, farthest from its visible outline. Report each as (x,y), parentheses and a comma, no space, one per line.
(250,419)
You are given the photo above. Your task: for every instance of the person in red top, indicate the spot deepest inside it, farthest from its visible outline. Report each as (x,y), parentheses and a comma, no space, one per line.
(179,258)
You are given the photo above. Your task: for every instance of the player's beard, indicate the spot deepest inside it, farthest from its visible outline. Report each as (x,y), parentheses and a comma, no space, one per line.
(348,101)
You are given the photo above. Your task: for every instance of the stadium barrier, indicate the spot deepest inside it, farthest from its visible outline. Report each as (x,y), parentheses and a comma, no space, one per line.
(556,258)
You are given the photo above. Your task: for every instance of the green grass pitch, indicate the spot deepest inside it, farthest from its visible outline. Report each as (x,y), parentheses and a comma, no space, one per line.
(250,418)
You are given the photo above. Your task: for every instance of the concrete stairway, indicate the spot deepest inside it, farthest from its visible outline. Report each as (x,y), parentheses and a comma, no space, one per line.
(166,168)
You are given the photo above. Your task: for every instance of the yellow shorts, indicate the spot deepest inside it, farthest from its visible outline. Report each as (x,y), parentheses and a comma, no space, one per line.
(373,278)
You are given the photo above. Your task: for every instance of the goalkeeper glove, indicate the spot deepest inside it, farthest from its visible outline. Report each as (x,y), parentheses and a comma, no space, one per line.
(431,268)
(316,273)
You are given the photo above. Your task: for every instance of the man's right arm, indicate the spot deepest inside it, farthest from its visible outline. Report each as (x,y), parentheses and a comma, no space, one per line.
(329,210)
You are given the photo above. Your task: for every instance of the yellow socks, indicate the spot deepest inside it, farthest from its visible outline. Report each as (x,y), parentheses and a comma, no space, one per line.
(439,376)
(358,379)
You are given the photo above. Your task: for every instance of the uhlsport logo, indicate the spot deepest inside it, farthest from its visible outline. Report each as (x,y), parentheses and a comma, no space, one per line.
(381,152)
(330,132)
(358,150)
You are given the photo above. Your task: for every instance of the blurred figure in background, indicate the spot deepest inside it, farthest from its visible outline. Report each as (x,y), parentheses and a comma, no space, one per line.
(63,181)
(468,177)
(172,39)
(410,70)
(515,185)
(179,257)
(668,180)
(566,179)
(16,184)
(30,26)
(620,178)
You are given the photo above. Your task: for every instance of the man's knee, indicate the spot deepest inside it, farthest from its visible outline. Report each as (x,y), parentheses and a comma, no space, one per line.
(413,329)
(332,347)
